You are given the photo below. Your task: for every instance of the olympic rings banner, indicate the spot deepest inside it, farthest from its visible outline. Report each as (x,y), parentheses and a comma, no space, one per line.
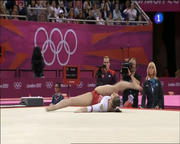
(73,44)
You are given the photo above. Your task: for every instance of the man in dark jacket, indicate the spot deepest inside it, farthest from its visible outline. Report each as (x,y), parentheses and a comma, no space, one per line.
(132,75)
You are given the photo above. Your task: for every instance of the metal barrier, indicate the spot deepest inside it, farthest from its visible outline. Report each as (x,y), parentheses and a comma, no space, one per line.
(143,13)
(13,16)
(95,21)
(58,72)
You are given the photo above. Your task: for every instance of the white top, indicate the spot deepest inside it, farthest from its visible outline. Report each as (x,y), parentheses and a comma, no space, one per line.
(100,107)
(132,14)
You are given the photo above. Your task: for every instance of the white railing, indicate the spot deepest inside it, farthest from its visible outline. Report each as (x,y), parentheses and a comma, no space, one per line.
(34,8)
(95,21)
(13,16)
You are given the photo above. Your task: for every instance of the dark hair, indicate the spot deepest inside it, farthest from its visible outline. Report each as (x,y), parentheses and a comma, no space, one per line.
(116,102)
(59,84)
(133,58)
(37,53)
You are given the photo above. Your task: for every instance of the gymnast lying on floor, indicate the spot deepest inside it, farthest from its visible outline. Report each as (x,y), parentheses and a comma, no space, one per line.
(101,99)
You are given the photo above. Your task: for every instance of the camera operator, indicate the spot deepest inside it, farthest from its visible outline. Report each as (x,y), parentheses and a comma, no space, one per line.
(128,75)
(105,75)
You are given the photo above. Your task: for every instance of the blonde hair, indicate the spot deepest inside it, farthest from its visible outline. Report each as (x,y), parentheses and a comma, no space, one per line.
(151,64)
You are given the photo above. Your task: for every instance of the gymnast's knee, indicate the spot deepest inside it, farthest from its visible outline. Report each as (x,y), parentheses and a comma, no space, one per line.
(71,101)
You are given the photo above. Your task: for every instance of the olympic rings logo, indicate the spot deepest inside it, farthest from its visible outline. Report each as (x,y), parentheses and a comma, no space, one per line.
(17,85)
(49,84)
(56,50)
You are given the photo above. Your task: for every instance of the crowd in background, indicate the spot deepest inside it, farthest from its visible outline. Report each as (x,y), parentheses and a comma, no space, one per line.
(101,12)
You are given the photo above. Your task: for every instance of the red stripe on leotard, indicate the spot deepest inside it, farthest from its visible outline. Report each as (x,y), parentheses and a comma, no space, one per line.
(96,97)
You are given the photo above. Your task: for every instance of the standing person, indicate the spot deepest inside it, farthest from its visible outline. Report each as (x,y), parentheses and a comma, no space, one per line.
(94,97)
(105,75)
(37,62)
(132,75)
(57,97)
(131,13)
(152,89)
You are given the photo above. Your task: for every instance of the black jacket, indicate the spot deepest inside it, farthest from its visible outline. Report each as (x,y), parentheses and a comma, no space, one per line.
(152,91)
(37,62)
(104,78)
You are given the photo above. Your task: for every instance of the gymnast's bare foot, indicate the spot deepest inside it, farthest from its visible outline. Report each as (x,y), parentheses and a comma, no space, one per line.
(136,85)
(49,108)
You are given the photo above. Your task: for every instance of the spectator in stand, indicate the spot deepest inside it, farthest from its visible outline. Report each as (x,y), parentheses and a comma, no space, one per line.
(140,19)
(71,16)
(87,4)
(44,4)
(69,6)
(60,17)
(131,13)
(38,6)
(14,15)
(22,8)
(118,22)
(15,12)
(122,6)
(90,17)
(117,14)
(80,16)
(86,11)
(126,7)
(43,16)
(9,5)
(100,20)
(109,20)
(102,4)
(127,4)
(62,7)
(3,11)
(127,21)
(152,89)
(77,7)
(32,14)
(108,4)
(105,12)
(54,11)
(95,11)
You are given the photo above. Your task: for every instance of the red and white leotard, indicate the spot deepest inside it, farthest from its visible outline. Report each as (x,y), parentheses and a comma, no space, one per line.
(102,106)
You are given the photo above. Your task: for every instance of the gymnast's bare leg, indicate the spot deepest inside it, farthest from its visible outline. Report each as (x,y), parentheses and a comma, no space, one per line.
(107,90)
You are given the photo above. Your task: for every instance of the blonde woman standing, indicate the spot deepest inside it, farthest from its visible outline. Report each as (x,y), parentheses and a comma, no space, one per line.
(152,89)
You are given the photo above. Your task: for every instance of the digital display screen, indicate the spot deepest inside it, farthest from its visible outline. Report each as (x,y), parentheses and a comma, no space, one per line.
(71,73)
